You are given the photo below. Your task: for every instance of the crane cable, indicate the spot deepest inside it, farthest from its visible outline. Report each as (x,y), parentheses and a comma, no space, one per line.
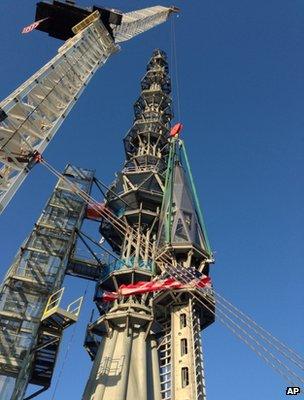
(245,332)
(97,209)
(174,62)
(118,225)
(294,357)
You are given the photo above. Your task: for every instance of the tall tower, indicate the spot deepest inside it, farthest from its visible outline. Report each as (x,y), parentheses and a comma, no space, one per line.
(148,346)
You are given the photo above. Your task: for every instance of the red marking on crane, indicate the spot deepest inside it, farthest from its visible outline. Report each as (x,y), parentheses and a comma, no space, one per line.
(176,129)
(37,157)
(95,211)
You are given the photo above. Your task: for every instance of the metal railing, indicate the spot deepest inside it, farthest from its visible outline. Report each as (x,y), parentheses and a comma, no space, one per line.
(55,300)
(132,262)
(75,306)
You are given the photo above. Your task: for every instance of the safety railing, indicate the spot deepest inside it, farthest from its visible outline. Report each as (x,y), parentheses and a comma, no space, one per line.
(146,168)
(75,306)
(132,262)
(55,300)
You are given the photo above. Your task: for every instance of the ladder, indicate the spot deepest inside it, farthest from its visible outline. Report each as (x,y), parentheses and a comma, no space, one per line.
(198,353)
(33,113)
(165,362)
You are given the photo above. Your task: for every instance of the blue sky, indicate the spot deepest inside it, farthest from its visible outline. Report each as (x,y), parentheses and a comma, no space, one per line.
(240,66)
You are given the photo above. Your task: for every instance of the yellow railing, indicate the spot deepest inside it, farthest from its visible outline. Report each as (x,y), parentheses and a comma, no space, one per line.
(55,300)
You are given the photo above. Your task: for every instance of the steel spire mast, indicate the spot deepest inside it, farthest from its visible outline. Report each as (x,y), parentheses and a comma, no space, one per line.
(148,346)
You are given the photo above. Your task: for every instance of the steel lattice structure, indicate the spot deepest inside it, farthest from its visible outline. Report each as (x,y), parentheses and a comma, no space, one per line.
(29,342)
(33,113)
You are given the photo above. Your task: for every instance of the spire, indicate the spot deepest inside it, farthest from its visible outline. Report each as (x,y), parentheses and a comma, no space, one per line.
(137,192)
(141,335)
(152,113)
(181,216)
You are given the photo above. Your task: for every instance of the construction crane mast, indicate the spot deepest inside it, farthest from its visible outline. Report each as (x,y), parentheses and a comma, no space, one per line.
(31,318)
(33,113)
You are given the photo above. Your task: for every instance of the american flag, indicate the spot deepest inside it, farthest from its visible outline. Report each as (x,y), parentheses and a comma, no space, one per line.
(185,275)
(157,285)
(30,28)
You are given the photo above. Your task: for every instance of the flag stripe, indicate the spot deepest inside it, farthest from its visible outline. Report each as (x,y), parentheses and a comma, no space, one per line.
(31,27)
(141,287)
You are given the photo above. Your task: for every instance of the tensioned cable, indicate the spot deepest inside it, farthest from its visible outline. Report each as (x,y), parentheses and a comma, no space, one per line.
(174,56)
(90,199)
(274,366)
(187,274)
(106,213)
(294,357)
(246,333)
(122,226)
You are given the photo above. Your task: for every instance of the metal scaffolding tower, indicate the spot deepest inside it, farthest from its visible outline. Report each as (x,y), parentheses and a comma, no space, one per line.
(31,322)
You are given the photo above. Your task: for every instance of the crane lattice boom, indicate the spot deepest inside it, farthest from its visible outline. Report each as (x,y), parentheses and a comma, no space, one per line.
(33,113)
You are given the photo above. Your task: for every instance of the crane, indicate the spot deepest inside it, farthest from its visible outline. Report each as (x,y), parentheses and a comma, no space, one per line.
(32,114)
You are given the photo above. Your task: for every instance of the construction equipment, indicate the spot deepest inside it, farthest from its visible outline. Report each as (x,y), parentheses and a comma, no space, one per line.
(33,113)
(29,316)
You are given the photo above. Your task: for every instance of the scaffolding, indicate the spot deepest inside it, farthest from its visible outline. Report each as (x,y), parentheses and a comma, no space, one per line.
(38,271)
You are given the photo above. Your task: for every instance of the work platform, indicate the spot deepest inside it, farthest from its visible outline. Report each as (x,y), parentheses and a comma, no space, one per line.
(53,322)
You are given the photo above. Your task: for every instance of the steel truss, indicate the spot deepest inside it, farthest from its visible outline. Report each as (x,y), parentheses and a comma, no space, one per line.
(30,337)
(33,113)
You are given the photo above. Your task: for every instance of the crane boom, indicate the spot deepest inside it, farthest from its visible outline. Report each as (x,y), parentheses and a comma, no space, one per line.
(33,113)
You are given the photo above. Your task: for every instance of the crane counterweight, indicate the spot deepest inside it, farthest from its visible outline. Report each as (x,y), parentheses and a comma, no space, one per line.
(60,17)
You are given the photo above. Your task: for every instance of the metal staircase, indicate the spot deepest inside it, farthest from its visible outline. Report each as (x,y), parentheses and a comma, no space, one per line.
(53,322)
(36,272)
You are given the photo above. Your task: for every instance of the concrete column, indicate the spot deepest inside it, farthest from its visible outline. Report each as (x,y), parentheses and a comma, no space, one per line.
(122,385)
(96,383)
(142,362)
